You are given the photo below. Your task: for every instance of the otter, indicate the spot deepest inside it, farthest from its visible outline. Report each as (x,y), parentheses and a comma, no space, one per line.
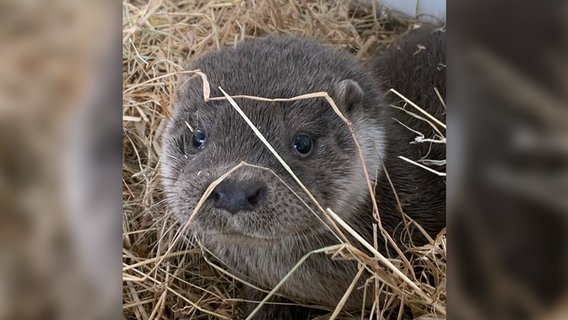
(259,225)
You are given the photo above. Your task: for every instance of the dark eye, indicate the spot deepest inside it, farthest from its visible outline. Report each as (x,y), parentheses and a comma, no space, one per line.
(198,139)
(302,144)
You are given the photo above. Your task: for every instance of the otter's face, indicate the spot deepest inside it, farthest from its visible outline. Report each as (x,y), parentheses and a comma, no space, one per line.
(205,139)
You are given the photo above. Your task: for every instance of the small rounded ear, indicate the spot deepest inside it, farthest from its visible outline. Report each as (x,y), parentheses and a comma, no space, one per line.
(349,95)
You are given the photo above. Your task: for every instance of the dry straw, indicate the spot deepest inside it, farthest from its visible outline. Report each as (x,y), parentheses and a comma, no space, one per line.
(165,274)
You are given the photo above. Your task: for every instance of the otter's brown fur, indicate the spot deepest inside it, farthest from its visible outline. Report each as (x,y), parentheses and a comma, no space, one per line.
(255,223)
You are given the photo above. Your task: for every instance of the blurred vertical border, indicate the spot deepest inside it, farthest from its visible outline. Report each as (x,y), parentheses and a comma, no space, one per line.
(60,159)
(508,159)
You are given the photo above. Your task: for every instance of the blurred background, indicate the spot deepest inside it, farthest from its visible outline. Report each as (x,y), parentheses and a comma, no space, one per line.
(60,159)
(508,160)
(61,178)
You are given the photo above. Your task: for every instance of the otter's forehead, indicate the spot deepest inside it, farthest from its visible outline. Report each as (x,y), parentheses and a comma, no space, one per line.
(276,67)
(288,116)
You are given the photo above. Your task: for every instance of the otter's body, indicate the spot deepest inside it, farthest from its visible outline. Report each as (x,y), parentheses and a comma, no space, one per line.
(260,226)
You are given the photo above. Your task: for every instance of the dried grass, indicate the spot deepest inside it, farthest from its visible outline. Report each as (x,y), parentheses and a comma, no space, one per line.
(169,279)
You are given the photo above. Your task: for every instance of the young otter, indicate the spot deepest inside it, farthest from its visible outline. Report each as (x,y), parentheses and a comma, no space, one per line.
(254,222)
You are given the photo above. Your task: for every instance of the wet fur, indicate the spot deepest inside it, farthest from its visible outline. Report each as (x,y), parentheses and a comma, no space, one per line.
(264,244)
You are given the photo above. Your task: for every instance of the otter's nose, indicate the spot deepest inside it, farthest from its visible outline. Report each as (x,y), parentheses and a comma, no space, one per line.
(235,196)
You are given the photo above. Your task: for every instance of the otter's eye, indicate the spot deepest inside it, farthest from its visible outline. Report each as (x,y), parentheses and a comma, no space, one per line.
(198,139)
(302,144)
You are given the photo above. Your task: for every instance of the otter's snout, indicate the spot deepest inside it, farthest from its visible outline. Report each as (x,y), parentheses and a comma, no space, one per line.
(235,196)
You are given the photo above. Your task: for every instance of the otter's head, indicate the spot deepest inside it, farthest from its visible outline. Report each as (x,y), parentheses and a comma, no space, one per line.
(205,139)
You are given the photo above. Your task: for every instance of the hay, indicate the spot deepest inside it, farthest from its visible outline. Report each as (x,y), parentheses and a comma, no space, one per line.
(162,281)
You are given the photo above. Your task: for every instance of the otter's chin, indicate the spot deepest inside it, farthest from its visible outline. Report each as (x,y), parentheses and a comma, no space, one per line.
(254,240)
(243,239)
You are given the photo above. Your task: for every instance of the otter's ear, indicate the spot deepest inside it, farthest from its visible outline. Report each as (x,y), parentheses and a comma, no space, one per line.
(349,95)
